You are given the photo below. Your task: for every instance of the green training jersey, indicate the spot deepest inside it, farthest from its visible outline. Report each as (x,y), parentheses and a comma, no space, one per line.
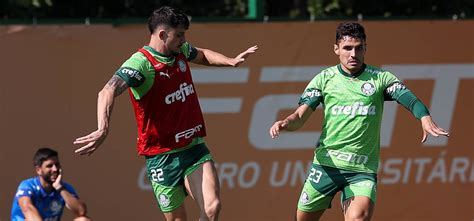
(353,106)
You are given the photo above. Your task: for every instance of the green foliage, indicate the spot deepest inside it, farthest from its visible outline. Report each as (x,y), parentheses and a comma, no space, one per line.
(315,9)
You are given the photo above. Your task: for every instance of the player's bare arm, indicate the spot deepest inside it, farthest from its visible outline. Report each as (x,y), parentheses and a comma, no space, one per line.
(105,102)
(29,210)
(211,58)
(293,122)
(430,127)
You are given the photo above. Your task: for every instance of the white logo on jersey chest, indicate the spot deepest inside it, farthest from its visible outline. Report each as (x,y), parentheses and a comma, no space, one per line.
(368,88)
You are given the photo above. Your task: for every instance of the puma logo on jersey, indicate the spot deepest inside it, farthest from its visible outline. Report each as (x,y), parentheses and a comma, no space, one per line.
(164,74)
(358,108)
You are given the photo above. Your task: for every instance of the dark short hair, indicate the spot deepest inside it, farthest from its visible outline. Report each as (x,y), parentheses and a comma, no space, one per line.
(42,154)
(168,16)
(351,29)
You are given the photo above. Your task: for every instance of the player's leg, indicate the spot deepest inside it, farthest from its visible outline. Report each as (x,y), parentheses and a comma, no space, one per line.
(358,208)
(82,218)
(308,216)
(359,196)
(178,214)
(165,174)
(203,186)
(318,191)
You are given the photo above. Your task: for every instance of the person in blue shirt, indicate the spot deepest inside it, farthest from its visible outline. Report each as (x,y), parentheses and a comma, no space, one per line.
(43,197)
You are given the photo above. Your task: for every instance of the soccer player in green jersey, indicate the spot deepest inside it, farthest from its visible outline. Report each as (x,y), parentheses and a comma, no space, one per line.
(352,94)
(168,114)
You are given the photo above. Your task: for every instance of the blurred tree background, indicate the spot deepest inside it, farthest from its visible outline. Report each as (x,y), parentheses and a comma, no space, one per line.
(223,10)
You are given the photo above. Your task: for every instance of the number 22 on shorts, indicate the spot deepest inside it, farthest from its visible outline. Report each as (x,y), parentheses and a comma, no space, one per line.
(315,175)
(157,175)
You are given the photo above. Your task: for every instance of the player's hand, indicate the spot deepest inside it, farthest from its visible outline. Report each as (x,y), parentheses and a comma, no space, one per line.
(92,141)
(430,127)
(277,126)
(242,56)
(57,183)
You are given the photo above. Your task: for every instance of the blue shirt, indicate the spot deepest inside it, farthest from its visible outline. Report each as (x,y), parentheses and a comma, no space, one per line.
(49,205)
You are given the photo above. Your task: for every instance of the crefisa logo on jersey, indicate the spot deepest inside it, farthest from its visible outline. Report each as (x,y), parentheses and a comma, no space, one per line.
(368,88)
(182,66)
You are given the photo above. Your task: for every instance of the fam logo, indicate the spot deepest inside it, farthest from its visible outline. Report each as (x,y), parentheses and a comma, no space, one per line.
(164,200)
(182,66)
(368,88)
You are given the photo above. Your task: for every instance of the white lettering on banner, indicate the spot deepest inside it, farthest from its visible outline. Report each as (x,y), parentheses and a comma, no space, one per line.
(446,78)
(220,76)
(188,133)
(143,183)
(296,170)
(229,172)
(264,114)
(426,170)
(392,171)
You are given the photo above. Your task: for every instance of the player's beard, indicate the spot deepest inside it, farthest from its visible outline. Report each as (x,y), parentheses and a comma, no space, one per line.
(48,178)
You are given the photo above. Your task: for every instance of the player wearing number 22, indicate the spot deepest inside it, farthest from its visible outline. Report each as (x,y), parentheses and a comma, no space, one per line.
(352,94)
(169,118)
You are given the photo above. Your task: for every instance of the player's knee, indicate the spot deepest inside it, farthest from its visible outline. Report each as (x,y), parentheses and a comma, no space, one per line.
(357,215)
(82,218)
(213,208)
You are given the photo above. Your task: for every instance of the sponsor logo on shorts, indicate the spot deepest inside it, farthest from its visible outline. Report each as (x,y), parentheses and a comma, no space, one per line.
(164,200)
(304,198)
(368,88)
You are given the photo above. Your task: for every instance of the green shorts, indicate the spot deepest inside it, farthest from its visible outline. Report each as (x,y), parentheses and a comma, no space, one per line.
(324,182)
(166,173)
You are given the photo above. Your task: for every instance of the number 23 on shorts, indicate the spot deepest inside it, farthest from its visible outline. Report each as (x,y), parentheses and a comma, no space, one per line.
(315,175)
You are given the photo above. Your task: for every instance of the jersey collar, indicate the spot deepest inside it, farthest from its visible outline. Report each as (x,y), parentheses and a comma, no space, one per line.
(357,74)
(162,57)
